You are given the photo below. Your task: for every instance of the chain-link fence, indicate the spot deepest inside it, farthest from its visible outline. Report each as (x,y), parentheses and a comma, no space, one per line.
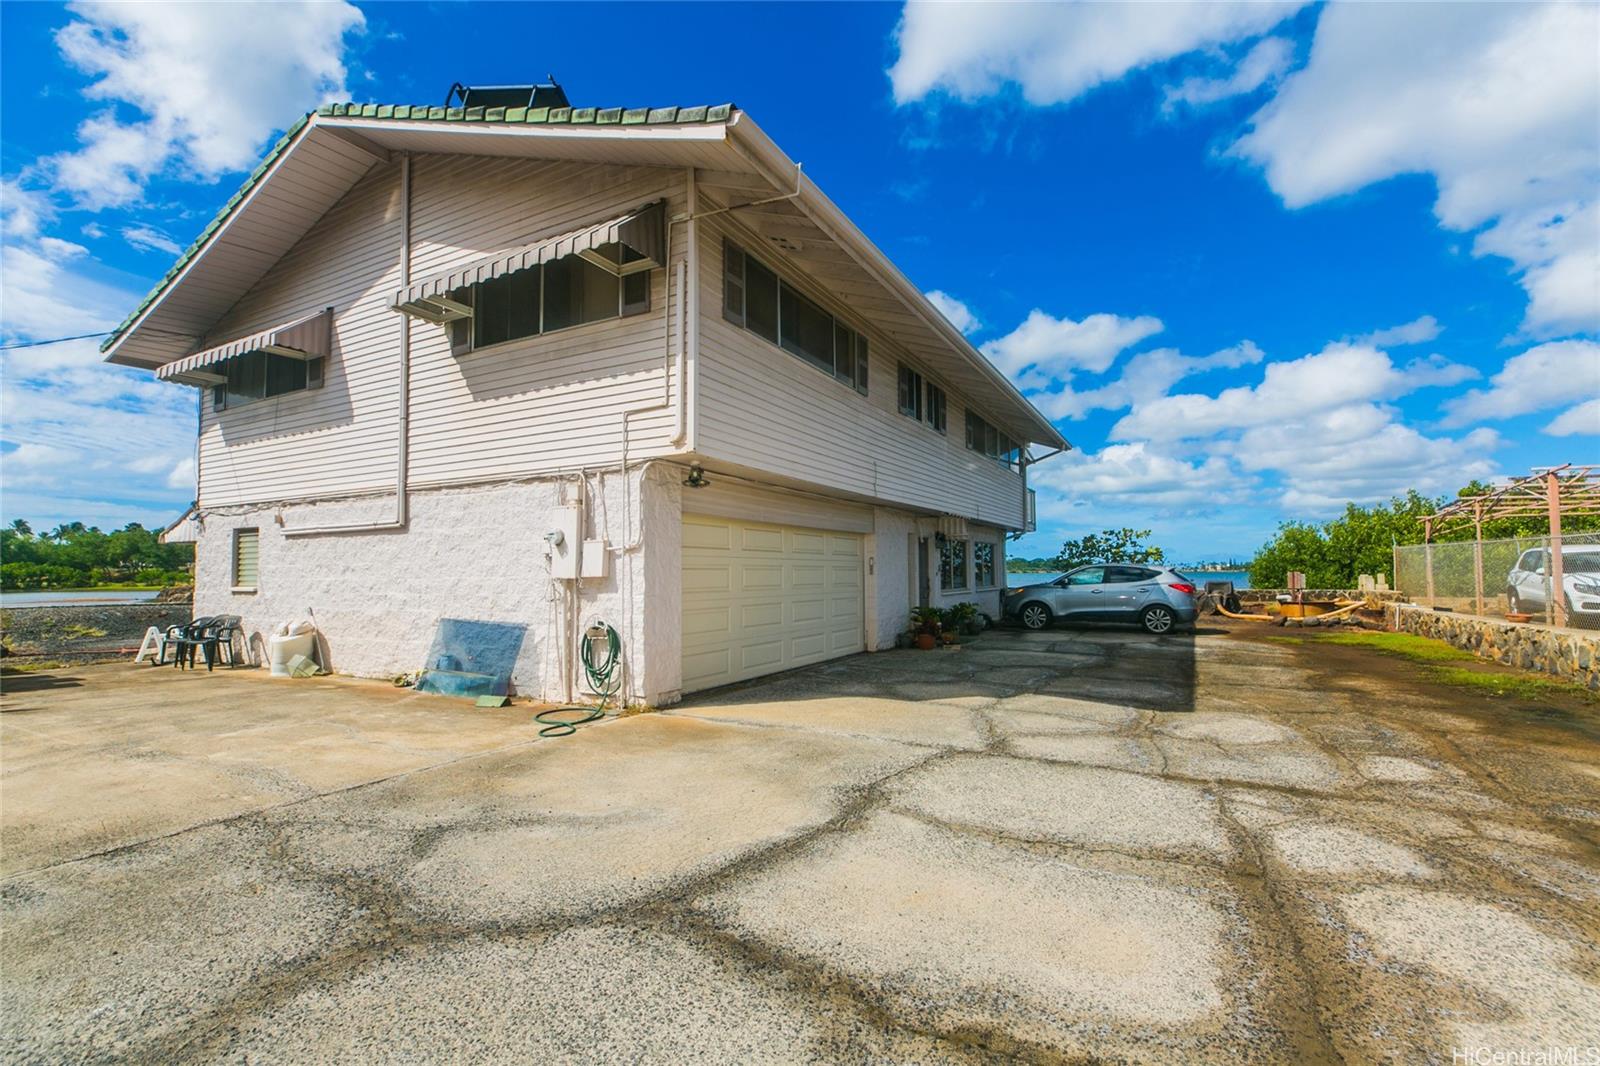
(1497,577)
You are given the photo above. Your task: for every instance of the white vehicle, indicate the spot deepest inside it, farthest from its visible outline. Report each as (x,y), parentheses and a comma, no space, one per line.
(1528,584)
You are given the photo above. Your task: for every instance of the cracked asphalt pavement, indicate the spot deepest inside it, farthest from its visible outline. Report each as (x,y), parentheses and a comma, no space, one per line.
(1071,846)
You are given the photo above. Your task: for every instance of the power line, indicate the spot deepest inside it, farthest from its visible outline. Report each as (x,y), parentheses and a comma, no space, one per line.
(58,340)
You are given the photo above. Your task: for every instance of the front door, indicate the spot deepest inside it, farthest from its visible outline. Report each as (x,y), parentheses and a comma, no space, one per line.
(924,578)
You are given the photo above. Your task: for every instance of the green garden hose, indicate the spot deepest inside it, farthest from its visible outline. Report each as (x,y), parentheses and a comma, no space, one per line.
(604,681)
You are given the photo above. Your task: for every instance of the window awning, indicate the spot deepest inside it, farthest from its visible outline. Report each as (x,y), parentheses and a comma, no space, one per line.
(643,231)
(310,337)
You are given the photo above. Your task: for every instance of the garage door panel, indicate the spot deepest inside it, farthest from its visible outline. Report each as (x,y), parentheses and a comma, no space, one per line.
(804,612)
(761,578)
(763,657)
(762,540)
(807,578)
(808,543)
(758,615)
(712,578)
(759,598)
(703,669)
(808,648)
(707,621)
(706,535)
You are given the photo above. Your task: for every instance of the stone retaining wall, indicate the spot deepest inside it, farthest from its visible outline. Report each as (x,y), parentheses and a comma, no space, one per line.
(1564,653)
(83,631)
(1252,598)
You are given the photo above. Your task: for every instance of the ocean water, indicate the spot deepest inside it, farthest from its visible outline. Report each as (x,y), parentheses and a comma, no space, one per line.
(1240,578)
(76,597)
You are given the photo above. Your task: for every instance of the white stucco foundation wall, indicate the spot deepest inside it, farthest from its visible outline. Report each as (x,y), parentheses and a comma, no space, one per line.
(470,553)
(890,585)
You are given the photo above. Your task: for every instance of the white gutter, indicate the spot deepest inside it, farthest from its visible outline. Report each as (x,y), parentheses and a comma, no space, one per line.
(403,413)
(769,160)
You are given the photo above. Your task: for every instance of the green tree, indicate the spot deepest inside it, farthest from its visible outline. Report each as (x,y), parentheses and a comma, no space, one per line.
(1108,546)
(75,554)
(1335,553)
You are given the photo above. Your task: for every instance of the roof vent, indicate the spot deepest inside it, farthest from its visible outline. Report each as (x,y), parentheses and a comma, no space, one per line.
(548,94)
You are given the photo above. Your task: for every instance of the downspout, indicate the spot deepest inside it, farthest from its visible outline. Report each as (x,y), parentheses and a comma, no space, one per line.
(402,513)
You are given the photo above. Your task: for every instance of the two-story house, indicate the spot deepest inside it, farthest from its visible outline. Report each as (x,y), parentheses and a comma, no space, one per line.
(524,363)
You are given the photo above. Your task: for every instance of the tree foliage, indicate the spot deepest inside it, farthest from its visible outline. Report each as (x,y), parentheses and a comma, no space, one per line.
(1335,553)
(1108,546)
(77,556)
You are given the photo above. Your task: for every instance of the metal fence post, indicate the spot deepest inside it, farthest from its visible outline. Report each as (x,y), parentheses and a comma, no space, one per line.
(1557,599)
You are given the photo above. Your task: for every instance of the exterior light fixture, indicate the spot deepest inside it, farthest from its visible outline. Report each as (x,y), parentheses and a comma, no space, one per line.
(697,477)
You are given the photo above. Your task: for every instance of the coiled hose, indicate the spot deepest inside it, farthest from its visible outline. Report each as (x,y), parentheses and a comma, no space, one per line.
(604,681)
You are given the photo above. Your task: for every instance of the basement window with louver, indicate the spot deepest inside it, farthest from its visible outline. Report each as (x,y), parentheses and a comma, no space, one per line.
(246,559)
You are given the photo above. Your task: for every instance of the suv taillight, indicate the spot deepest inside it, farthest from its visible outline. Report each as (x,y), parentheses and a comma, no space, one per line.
(1187,590)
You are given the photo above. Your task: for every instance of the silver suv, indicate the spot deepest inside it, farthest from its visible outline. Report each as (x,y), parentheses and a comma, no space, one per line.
(1528,584)
(1158,598)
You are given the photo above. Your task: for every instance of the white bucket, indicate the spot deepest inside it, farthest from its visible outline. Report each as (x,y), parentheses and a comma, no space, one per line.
(281,649)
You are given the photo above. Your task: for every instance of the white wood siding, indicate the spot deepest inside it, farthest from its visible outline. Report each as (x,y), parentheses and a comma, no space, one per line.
(522,408)
(765,409)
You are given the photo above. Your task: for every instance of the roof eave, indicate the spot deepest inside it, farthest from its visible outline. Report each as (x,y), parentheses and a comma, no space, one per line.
(196,251)
(780,170)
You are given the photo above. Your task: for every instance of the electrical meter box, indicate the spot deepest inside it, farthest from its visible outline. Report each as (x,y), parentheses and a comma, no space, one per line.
(596,559)
(562,542)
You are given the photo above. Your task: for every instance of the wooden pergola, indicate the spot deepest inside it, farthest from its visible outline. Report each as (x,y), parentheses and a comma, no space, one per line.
(1567,489)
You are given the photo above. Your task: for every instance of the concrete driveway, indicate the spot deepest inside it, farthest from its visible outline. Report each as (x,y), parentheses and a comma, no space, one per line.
(1073,845)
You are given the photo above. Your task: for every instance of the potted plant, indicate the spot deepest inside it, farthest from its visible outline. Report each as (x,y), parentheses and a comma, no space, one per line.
(926,623)
(964,617)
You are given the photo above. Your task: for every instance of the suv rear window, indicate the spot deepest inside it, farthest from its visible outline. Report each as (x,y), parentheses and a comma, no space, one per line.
(1115,574)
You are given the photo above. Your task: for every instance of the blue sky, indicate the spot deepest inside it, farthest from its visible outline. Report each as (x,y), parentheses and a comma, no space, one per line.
(1255,259)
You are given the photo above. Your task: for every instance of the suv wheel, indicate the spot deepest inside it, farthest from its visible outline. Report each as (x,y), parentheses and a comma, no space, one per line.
(1034,616)
(1157,618)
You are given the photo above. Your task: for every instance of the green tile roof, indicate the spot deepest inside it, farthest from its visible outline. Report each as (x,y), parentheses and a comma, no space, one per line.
(521,116)
(534,116)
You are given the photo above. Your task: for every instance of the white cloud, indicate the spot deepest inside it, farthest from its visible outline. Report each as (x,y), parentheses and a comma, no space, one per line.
(1435,371)
(23,210)
(211,82)
(1500,103)
(1358,452)
(1545,376)
(1340,374)
(1054,347)
(959,314)
(150,239)
(182,474)
(1417,331)
(1264,64)
(1144,377)
(1583,419)
(40,298)
(92,230)
(1139,475)
(1318,425)
(1056,52)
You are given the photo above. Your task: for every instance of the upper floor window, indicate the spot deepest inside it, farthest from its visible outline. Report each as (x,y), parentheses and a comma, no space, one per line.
(571,291)
(910,393)
(262,375)
(755,297)
(935,413)
(987,440)
(921,399)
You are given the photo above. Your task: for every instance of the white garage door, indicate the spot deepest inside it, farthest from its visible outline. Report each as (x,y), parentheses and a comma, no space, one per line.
(761,598)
